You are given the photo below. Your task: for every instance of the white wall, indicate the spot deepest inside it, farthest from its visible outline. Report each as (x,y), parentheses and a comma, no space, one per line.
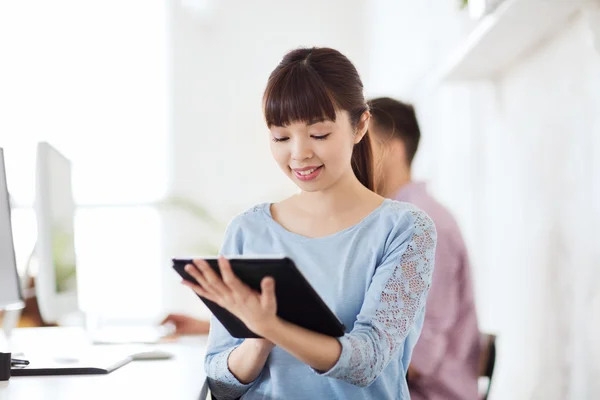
(406,39)
(219,149)
(550,116)
(516,160)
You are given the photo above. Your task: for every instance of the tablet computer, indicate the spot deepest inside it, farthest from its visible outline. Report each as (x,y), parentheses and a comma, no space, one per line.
(297,301)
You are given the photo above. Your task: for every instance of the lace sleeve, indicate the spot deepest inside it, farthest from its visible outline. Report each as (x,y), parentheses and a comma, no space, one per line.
(221,381)
(394,300)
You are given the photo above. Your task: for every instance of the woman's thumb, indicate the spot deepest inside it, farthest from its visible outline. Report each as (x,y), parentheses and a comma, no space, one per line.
(267,286)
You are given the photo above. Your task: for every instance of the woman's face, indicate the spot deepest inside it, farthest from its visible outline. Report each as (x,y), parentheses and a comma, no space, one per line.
(315,155)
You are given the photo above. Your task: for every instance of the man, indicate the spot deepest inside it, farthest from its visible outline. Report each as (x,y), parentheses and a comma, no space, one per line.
(445,359)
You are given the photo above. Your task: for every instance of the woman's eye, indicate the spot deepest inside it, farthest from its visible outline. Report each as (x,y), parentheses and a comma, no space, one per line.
(283,139)
(321,137)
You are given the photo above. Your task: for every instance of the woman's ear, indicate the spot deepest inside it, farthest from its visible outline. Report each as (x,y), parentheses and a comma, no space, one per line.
(363,126)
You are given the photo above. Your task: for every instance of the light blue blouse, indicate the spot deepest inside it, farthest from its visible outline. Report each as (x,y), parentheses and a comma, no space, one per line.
(374,276)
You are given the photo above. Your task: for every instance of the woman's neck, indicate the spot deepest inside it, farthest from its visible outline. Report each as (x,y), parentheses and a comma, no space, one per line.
(344,195)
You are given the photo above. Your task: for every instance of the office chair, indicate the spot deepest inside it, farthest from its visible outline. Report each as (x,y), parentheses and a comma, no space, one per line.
(487,359)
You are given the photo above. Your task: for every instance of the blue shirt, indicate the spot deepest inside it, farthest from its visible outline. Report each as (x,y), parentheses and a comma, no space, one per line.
(374,276)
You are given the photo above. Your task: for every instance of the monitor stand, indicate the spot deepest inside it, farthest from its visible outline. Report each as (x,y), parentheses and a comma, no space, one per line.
(10,319)
(4,343)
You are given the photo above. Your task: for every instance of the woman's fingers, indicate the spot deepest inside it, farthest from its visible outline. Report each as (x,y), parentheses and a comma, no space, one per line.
(196,274)
(207,278)
(229,277)
(211,277)
(226,289)
(199,291)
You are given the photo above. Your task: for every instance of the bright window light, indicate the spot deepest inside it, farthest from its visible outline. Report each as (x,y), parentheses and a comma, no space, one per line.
(90,78)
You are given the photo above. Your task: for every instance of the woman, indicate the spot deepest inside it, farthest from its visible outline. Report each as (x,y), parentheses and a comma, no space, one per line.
(369,258)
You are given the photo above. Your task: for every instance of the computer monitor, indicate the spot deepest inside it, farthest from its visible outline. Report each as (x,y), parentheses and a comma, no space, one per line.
(56,279)
(10,287)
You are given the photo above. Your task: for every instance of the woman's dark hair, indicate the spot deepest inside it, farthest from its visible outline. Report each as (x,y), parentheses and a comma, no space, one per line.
(311,85)
(396,120)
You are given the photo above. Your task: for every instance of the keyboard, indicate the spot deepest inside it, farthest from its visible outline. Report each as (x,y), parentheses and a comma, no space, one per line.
(142,334)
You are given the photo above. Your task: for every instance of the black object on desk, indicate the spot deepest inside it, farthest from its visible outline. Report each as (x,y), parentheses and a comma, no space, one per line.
(297,301)
(95,365)
(5,362)
(16,361)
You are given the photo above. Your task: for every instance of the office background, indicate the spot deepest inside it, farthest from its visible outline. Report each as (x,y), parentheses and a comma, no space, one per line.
(157,103)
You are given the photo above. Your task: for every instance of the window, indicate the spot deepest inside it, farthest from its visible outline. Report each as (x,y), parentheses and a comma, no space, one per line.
(90,78)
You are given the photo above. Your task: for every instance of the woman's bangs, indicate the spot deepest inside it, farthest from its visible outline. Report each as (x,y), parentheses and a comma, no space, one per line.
(297,94)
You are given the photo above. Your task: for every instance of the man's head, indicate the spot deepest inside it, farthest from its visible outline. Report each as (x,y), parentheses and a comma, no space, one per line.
(395,138)
(394,130)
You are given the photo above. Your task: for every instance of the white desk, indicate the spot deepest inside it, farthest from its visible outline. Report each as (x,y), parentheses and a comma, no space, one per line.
(181,377)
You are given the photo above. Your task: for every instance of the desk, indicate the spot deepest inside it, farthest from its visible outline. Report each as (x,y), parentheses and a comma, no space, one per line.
(181,377)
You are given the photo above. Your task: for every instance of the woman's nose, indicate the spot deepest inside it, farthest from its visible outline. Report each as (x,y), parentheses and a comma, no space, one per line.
(301,150)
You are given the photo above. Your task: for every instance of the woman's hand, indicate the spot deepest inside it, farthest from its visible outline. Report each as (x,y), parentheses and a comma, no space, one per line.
(258,311)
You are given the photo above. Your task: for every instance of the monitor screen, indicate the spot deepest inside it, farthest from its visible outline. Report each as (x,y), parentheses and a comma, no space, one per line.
(56,281)
(62,235)
(10,290)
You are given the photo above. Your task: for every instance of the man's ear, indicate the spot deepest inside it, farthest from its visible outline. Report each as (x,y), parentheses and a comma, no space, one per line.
(363,126)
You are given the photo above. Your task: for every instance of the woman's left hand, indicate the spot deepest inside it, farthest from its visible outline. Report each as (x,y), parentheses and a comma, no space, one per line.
(258,311)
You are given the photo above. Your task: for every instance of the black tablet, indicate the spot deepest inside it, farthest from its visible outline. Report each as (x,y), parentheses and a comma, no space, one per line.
(297,301)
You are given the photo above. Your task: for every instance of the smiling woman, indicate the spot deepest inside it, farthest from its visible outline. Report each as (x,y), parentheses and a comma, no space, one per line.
(310,152)
(316,95)
(368,258)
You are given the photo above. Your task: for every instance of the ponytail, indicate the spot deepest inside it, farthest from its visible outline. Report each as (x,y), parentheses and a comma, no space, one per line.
(362,162)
